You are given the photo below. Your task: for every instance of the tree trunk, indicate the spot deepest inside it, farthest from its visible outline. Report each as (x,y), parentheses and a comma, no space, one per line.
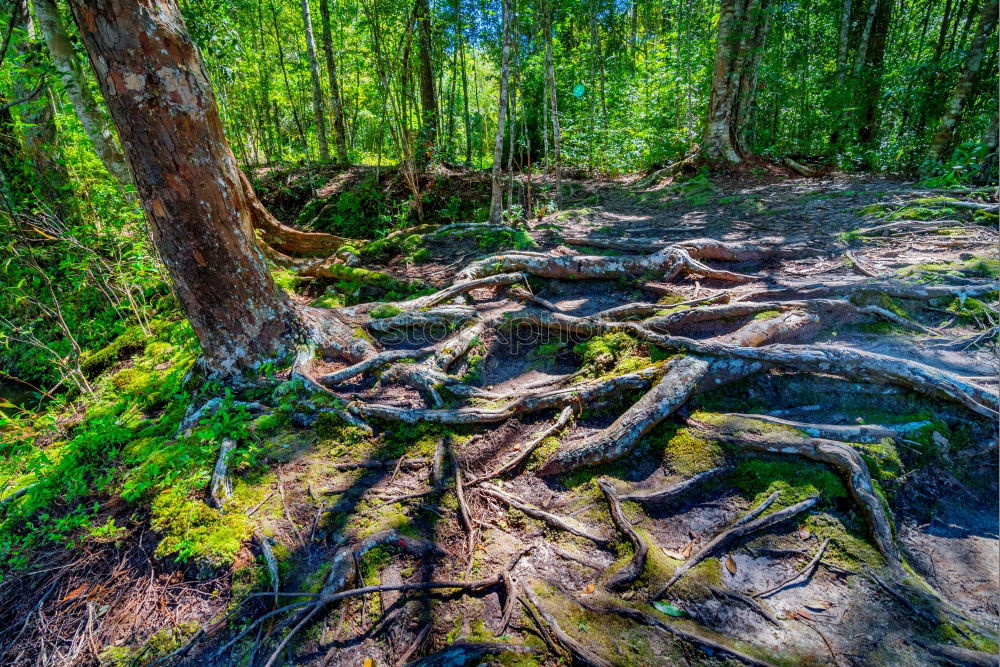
(337,106)
(496,202)
(553,100)
(428,100)
(317,90)
(743,27)
(95,122)
(199,211)
(871,90)
(465,85)
(973,60)
(862,53)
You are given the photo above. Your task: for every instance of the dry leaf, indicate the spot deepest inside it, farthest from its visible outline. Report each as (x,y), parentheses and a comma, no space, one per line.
(517,448)
(590,588)
(804,533)
(687,550)
(368,662)
(730,565)
(75,592)
(676,555)
(818,605)
(804,614)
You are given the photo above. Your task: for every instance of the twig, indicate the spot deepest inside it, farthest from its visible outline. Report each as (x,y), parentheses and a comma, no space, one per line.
(417,643)
(802,575)
(748,601)
(528,449)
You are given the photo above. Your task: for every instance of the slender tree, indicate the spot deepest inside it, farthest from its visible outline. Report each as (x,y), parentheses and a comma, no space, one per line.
(92,117)
(317,89)
(959,96)
(742,32)
(336,103)
(199,211)
(496,202)
(428,99)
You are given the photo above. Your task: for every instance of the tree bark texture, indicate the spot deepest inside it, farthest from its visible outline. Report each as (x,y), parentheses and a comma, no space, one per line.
(199,212)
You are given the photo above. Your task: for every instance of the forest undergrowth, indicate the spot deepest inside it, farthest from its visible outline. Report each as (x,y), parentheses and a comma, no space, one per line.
(706,420)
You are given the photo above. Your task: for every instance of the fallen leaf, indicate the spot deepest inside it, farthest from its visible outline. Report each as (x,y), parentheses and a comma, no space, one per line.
(818,605)
(676,555)
(75,592)
(368,662)
(730,565)
(687,550)
(804,614)
(590,588)
(669,609)
(517,448)
(804,533)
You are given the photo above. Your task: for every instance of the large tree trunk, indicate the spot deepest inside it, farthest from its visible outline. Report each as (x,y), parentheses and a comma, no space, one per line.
(428,100)
(317,90)
(973,60)
(200,213)
(743,26)
(496,202)
(95,122)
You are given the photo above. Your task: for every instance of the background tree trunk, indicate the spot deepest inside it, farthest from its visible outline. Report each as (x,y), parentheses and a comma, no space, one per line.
(336,102)
(317,89)
(956,103)
(199,212)
(428,100)
(94,120)
(496,202)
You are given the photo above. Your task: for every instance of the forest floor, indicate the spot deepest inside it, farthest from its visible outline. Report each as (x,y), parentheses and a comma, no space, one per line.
(541,563)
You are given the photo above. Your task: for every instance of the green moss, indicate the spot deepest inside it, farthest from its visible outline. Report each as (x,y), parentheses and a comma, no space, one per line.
(131,380)
(285,279)
(684,453)
(977,267)
(133,340)
(611,354)
(158,350)
(767,315)
(383,311)
(191,530)
(159,644)
(796,480)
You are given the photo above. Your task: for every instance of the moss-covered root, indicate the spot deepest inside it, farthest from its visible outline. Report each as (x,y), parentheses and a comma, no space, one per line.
(670,393)
(749,434)
(581,653)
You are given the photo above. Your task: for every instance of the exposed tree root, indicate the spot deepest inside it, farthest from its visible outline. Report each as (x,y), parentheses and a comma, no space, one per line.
(754,605)
(466,653)
(710,645)
(742,433)
(538,513)
(635,566)
(528,449)
(674,491)
(847,432)
(733,534)
(578,650)
(220,488)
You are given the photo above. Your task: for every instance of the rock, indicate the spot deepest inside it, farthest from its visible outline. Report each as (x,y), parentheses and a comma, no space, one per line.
(942,444)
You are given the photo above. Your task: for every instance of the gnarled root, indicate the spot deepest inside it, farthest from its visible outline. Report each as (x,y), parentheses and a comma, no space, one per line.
(635,566)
